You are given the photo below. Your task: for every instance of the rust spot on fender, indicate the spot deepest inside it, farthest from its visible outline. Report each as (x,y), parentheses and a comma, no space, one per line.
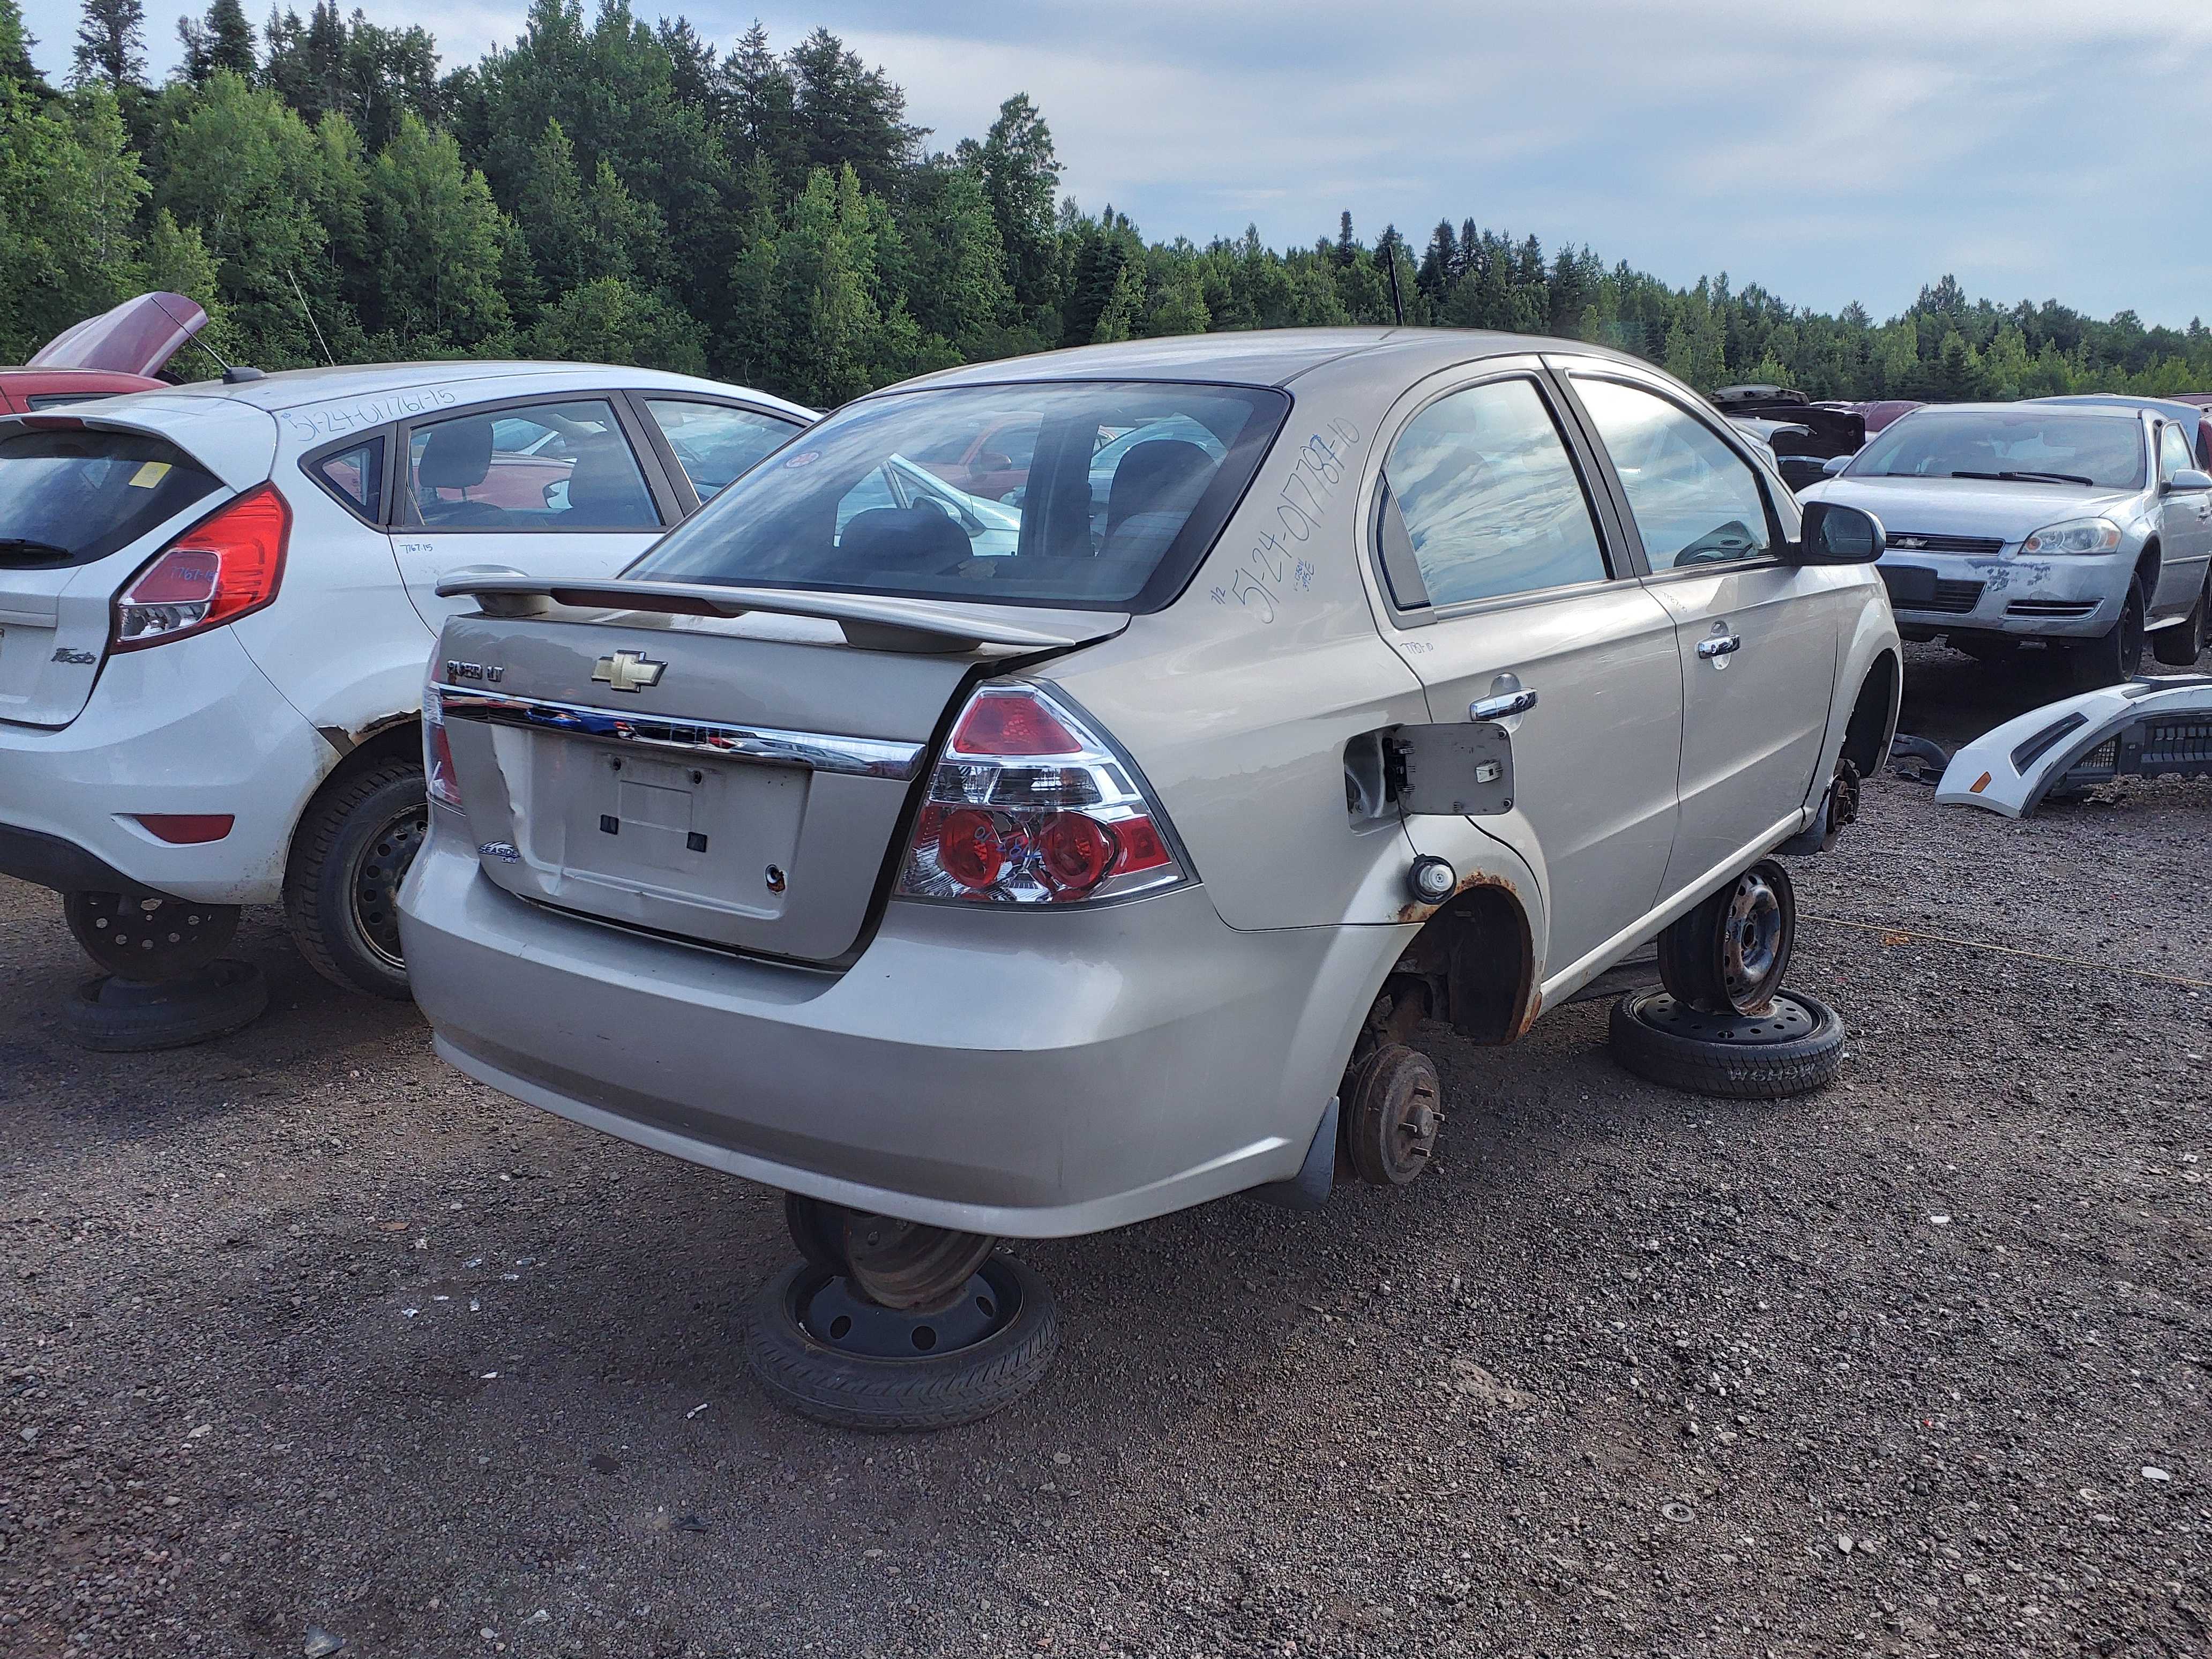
(1414,910)
(1535,999)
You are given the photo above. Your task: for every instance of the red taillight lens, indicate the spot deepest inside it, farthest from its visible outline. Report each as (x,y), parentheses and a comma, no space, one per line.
(1030,806)
(439,777)
(226,566)
(1011,725)
(187,829)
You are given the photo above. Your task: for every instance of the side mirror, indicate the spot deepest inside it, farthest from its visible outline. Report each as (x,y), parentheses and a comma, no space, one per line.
(1835,464)
(2187,479)
(1836,534)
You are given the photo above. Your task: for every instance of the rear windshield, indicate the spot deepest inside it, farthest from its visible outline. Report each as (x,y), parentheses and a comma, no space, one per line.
(69,497)
(2025,445)
(1096,495)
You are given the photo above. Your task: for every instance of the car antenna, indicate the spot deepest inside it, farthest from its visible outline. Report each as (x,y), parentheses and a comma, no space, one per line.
(312,323)
(231,373)
(1397,305)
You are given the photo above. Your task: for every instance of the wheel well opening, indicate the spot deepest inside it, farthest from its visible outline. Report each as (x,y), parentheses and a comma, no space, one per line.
(2147,569)
(1865,736)
(1476,964)
(397,739)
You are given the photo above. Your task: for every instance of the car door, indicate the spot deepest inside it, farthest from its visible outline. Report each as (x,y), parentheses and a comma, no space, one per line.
(1505,587)
(2186,531)
(558,485)
(1757,637)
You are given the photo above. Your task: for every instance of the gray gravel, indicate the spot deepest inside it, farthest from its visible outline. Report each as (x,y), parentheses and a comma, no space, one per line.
(299,1329)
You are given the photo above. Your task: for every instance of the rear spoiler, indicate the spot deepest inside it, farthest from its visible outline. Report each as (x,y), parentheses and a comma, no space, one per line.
(869,621)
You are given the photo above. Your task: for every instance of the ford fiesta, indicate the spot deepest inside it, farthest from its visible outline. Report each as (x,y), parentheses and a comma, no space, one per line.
(1037,876)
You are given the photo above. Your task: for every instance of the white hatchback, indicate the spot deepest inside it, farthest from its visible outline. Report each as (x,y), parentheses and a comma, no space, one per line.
(217,601)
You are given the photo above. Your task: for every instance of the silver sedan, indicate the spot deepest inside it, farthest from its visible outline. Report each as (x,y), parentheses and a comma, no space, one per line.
(2087,527)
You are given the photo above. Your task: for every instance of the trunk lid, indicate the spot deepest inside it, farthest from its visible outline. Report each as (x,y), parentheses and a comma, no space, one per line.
(738,780)
(138,337)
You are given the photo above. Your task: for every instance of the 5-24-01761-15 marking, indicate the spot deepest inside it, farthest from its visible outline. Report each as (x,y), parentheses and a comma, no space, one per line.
(1275,565)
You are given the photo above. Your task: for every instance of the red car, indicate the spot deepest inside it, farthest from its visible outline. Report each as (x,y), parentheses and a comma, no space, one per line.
(104,356)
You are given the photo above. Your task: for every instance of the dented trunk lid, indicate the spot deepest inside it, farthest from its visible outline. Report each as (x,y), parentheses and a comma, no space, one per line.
(738,780)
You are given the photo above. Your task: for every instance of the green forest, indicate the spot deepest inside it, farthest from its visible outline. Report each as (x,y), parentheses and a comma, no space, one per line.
(617,190)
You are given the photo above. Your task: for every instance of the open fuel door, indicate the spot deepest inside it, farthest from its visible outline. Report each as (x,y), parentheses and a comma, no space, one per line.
(1464,770)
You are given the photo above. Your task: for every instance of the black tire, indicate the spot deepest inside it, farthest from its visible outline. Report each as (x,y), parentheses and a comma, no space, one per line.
(149,939)
(2179,646)
(2116,654)
(1797,1048)
(882,1396)
(341,894)
(119,1016)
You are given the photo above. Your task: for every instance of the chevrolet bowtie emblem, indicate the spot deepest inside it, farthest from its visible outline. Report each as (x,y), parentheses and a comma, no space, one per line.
(628,670)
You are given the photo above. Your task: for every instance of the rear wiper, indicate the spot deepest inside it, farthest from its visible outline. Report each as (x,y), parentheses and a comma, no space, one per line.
(24,546)
(2028,478)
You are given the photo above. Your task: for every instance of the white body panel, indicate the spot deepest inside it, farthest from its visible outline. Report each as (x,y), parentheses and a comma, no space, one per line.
(250,718)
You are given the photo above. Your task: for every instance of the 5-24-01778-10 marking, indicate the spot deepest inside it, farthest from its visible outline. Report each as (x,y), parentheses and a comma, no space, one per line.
(1274,565)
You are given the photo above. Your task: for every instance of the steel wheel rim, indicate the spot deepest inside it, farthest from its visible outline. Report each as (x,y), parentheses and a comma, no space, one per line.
(375,886)
(154,929)
(1751,948)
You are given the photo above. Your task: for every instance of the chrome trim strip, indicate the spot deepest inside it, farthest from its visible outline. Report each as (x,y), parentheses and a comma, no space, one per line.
(759,745)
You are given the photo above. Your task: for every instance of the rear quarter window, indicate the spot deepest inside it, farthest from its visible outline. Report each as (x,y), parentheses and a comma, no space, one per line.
(69,497)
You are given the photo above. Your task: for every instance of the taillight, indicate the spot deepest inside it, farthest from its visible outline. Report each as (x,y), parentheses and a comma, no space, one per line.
(1030,806)
(223,568)
(439,776)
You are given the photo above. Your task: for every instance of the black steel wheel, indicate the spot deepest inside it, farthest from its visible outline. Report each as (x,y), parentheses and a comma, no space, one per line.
(1729,954)
(1393,1112)
(827,1353)
(149,939)
(341,893)
(1796,1045)
(2179,646)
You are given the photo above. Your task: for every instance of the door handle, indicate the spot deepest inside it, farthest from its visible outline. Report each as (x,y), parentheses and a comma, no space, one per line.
(1719,646)
(1503,705)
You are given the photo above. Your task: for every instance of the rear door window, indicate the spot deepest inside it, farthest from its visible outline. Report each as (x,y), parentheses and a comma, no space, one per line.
(69,497)
(1485,500)
(713,443)
(544,467)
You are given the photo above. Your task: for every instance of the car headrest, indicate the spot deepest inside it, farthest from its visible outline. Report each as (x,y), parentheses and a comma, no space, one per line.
(605,491)
(1161,475)
(894,538)
(456,456)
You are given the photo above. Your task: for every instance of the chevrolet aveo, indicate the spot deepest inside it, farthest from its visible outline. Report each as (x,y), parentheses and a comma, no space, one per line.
(967,878)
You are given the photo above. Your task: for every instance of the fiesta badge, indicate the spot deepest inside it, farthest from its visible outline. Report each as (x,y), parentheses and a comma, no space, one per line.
(628,670)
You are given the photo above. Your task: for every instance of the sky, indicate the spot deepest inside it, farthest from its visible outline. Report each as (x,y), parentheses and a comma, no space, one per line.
(2034,148)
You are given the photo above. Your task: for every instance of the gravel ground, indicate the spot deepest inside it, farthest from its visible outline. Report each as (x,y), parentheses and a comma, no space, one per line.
(299,1328)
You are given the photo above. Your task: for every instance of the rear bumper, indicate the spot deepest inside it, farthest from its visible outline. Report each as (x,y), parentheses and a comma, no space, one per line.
(191,727)
(2038,598)
(1021,1074)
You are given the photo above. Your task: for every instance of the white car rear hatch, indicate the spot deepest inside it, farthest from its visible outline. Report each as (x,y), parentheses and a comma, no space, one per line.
(86,500)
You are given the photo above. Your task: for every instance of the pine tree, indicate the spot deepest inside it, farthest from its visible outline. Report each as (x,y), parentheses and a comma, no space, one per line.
(111,44)
(222,39)
(16,44)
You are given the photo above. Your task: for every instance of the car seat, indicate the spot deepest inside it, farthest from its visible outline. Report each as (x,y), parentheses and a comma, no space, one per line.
(1154,489)
(456,456)
(605,492)
(893,541)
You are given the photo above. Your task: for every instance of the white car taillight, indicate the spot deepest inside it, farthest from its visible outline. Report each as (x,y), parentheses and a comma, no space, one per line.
(439,776)
(224,566)
(1028,806)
